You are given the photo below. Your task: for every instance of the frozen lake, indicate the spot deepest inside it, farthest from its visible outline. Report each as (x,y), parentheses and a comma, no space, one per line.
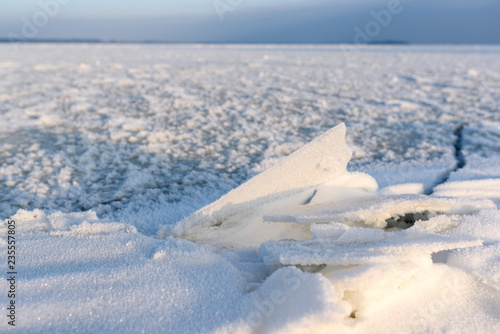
(118,127)
(144,135)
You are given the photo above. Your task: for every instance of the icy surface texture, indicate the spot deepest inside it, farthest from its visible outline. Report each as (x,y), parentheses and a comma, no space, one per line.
(158,131)
(104,146)
(315,173)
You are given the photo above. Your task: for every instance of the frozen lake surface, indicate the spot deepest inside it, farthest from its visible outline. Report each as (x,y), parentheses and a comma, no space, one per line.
(103,148)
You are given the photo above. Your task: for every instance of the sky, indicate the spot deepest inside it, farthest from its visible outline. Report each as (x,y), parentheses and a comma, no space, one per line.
(254,21)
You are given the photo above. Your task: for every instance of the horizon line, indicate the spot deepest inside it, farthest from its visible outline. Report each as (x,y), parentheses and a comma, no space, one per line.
(146,41)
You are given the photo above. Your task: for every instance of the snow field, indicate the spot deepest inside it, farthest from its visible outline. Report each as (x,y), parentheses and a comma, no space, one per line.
(104,148)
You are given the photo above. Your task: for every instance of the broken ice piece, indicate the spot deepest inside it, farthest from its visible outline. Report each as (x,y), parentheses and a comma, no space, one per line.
(356,246)
(314,173)
(378,212)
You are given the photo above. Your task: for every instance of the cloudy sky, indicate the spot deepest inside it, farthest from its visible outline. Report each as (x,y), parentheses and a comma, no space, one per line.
(254,21)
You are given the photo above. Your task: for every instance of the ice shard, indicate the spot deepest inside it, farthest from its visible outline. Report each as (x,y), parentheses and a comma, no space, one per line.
(235,220)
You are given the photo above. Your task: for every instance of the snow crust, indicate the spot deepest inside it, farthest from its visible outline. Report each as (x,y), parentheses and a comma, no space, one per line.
(105,148)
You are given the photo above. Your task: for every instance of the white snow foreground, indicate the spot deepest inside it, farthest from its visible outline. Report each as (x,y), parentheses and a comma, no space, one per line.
(396,261)
(357,260)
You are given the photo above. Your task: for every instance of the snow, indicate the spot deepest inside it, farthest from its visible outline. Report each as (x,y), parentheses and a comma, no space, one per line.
(485,188)
(404,188)
(111,156)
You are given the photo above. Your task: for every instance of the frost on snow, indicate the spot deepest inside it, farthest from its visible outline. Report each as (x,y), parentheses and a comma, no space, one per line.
(107,150)
(359,237)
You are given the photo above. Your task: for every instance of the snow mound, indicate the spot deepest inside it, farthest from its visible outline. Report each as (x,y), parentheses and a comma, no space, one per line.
(482,262)
(291,301)
(314,173)
(413,297)
(65,224)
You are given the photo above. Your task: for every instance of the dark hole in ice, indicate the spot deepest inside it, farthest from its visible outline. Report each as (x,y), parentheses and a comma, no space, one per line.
(311,268)
(407,220)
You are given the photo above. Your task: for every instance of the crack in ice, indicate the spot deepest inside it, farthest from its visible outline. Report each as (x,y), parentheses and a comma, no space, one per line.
(459,157)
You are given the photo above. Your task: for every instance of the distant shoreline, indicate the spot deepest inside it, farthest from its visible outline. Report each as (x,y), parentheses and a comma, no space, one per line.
(99,41)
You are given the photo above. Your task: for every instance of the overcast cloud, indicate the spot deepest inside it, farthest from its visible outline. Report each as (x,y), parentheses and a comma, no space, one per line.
(246,21)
